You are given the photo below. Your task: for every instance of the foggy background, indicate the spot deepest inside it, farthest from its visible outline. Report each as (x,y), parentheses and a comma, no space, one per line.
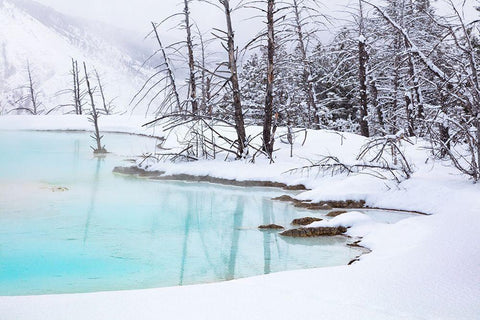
(137,15)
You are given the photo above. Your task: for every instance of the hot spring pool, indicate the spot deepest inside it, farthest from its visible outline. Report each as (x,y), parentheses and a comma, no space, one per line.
(68,224)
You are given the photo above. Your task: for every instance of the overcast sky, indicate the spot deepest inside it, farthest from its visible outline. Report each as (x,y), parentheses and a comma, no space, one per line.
(136,15)
(129,14)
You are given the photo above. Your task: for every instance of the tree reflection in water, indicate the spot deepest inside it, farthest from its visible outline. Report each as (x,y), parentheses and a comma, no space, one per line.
(237,223)
(93,197)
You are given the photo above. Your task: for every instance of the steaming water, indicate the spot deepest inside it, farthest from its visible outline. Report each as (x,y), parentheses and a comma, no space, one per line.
(109,232)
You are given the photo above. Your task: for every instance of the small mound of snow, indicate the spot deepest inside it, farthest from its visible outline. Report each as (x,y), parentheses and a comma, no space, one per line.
(349,219)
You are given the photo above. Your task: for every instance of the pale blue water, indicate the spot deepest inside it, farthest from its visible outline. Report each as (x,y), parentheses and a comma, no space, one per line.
(111,232)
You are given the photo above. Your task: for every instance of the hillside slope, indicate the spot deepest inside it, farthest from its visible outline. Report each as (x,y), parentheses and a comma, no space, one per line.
(47,40)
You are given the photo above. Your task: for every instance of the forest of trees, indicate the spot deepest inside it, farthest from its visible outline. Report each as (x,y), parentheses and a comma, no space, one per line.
(390,71)
(397,70)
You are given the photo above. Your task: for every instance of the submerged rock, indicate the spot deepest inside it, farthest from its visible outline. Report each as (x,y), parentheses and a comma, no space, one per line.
(305,221)
(101,151)
(336,213)
(296,187)
(160,175)
(59,189)
(271,227)
(314,232)
(285,198)
(347,204)
(322,205)
(134,170)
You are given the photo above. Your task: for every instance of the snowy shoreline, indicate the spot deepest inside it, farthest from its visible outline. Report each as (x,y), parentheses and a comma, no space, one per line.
(134,171)
(420,268)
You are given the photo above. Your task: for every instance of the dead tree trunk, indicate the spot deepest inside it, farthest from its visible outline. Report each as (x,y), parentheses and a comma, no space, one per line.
(362,75)
(409,112)
(170,75)
(473,84)
(396,81)
(232,64)
(268,137)
(378,110)
(79,91)
(77,95)
(417,90)
(191,61)
(102,94)
(416,101)
(76,99)
(31,89)
(94,117)
(205,81)
(306,72)
(443,130)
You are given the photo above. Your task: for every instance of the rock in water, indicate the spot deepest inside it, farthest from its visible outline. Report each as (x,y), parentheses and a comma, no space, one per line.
(314,232)
(271,227)
(285,198)
(305,221)
(336,213)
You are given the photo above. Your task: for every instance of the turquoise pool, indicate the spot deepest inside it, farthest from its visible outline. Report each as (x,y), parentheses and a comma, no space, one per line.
(68,224)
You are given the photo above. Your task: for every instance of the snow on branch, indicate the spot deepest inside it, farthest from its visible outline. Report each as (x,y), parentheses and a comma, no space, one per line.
(413,48)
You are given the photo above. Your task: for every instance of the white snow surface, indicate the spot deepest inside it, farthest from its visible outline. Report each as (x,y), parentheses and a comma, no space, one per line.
(425,267)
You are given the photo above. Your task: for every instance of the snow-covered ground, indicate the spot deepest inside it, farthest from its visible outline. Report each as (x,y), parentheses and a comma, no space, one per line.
(426,267)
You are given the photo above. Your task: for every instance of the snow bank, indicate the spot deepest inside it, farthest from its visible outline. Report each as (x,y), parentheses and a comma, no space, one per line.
(349,219)
(424,267)
(359,224)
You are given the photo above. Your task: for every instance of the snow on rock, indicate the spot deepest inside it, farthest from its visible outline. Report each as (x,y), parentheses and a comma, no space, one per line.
(359,224)
(349,219)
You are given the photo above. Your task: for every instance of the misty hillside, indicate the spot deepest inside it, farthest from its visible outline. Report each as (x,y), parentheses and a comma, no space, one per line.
(48,40)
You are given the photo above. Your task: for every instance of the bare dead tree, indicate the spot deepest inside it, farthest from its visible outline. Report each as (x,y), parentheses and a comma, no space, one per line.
(396,80)
(411,100)
(30,101)
(93,117)
(432,67)
(381,157)
(362,74)
(191,59)
(333,166)
(200,136)
(205,78)
(375,104)
(203,140)
(290,136)
(305,14)
(461,81)
(268,131)
(74,91)
(77,95)
(33,95)
(107,106)
(233,80)
(167,82)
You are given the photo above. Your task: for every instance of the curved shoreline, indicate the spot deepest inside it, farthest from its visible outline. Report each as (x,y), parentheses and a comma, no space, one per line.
(83,131)
(305,204)
(160,175)
(350,204)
